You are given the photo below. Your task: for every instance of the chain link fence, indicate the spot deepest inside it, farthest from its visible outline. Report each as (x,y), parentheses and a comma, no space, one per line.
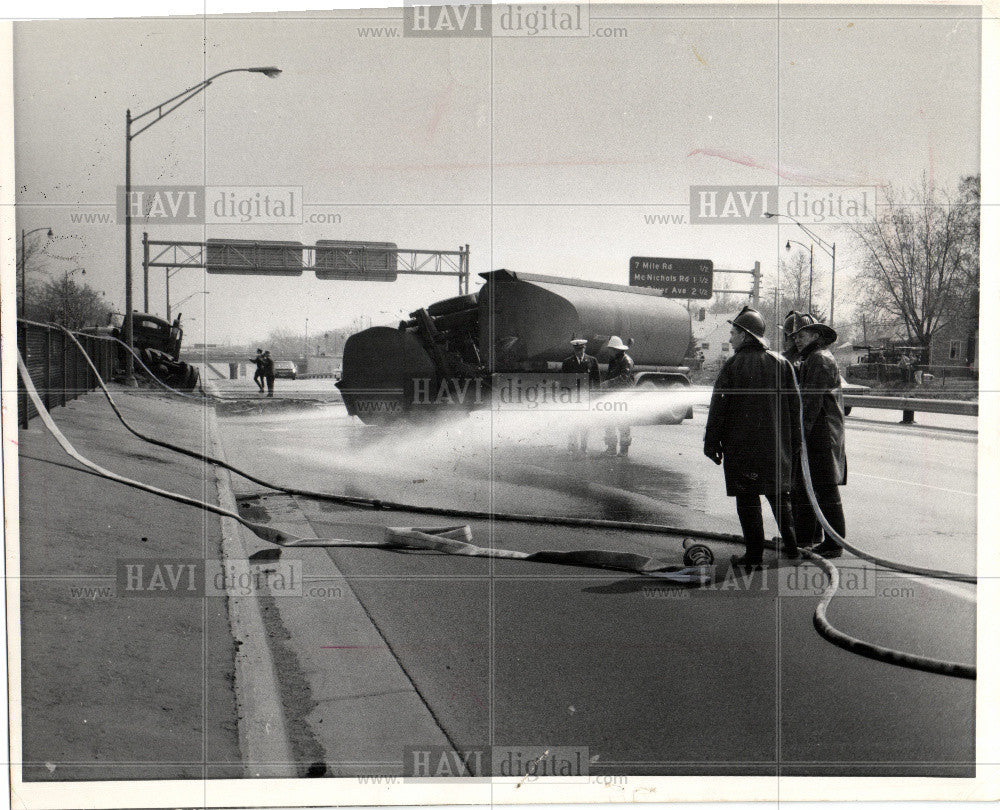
(56,367)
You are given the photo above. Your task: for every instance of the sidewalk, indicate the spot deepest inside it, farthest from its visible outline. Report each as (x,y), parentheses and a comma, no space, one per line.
(120,686)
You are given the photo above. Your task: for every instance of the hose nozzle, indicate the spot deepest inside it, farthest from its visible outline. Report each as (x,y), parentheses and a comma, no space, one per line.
(697,555)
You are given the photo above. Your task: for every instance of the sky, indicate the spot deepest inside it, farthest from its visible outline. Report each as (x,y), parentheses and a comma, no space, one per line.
(545,155)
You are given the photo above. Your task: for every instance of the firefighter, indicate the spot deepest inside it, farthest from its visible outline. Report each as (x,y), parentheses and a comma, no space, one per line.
(267,372)
(793,320)
(788,348)
(905,368)
(618,433)
(823,420)
(581,363)
(258,375)
(752,430)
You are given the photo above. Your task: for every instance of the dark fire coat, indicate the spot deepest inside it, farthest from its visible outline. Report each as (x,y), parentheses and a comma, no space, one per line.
(753,418)
(823,406)
(621,372)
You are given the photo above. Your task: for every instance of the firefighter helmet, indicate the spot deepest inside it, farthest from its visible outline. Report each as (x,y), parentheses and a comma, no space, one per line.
(793,320)
(827,334)
(751,322)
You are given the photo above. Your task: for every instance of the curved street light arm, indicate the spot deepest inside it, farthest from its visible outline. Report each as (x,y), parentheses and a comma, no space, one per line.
(819,240)
(190,93)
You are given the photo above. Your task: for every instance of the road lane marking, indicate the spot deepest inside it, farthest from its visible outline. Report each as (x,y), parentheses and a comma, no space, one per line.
(916,484)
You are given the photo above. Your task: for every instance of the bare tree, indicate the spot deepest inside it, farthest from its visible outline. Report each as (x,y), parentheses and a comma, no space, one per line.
(285,343)
(874,326)
(31,261)
(965,301)
(917,259)
(790,293)
(63,301)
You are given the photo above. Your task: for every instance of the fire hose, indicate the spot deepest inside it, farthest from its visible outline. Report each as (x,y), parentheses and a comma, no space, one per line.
(822,623)
(456,540)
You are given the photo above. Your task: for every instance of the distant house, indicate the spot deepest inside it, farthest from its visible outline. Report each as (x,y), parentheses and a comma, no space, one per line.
(956,343)
(711,336)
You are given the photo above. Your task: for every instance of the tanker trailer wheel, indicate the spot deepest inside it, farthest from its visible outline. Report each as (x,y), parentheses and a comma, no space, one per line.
(456,304)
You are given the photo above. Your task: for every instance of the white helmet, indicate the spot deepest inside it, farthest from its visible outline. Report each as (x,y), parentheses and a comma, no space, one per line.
(616,343)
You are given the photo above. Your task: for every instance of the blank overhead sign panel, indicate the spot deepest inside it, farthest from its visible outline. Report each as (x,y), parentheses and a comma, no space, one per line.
(678,278)
(338,260)
(245,257)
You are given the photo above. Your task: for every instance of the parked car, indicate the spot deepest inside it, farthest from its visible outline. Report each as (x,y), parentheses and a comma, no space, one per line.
(852,388)
(285,369)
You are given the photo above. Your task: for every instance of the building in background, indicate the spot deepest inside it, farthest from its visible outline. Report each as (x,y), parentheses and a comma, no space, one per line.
(956,343)
(711,336)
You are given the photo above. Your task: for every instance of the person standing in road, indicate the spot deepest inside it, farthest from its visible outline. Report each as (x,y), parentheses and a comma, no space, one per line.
(788,348)
(823,421)
(258,375)
(581,363)
(267,372)
(793,320)
(618,433)
(752,429)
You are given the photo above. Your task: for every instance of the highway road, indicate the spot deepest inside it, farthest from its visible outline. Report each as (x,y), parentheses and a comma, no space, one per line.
(649,677)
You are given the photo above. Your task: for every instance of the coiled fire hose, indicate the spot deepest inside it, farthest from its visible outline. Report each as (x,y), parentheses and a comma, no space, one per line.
(820,620)
(455,540)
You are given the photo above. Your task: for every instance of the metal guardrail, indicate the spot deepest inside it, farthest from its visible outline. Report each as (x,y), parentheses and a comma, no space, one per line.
(891,372)
(56,367)
(910,405)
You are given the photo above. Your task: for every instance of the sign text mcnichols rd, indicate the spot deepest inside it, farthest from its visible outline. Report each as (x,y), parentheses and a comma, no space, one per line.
(678,278)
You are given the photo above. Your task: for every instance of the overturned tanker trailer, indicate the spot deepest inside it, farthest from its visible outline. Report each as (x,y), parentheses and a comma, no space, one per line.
(452,354)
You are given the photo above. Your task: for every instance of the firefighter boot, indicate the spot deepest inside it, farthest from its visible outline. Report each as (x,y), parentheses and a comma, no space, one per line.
(746,562)
(828,550)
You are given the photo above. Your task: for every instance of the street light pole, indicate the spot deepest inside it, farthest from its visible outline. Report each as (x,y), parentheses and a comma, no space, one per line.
(167,275)
(24,266)
(127,325)
(66,275)
(185,298)
(833,280)
(829,247)
(788,246)
(162,110)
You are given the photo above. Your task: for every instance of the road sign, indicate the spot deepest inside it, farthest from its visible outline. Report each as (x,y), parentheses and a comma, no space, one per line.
(253,258)
(678,278)
(338,260)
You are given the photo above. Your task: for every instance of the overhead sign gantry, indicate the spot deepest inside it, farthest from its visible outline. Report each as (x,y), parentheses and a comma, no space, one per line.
(329,259)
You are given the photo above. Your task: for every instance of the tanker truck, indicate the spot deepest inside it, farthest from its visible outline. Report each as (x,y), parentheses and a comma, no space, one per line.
(451,355)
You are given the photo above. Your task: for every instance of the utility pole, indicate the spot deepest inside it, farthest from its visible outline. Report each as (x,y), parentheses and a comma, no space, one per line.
(24,266)
(755,295)
(833,280)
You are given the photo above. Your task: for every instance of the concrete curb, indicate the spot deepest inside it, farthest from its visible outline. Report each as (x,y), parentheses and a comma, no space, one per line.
(264,741)
(363,701)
